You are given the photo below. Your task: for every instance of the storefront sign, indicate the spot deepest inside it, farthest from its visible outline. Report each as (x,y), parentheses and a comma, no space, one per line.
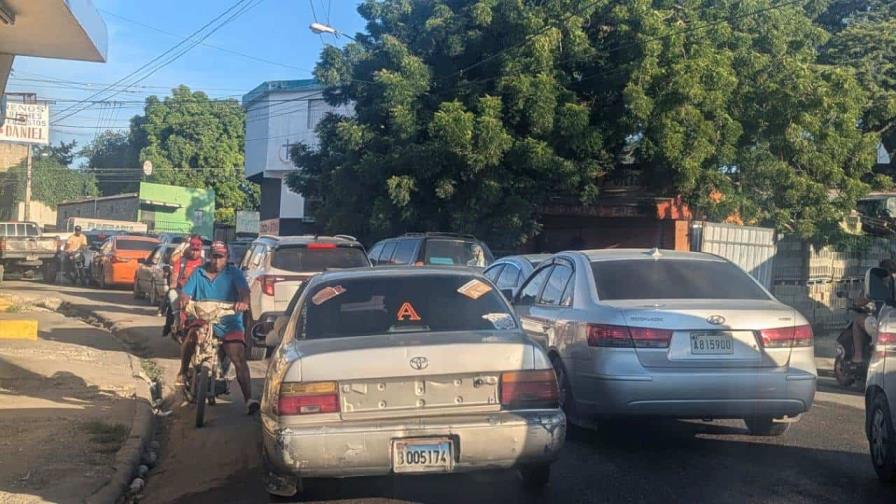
(26,123)
(269,227)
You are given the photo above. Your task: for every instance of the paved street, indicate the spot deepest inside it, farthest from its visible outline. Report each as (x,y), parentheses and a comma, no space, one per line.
(821,459)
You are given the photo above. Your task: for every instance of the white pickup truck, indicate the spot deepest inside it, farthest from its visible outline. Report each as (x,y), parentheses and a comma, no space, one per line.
(23,249)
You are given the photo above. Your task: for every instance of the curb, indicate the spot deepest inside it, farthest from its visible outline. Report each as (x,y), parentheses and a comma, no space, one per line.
(129,455)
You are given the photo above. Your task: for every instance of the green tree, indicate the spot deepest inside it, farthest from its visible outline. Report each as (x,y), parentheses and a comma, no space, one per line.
(52,182)
(471,115)
(112,158)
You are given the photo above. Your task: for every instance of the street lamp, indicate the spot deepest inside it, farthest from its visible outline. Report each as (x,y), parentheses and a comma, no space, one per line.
(320,28)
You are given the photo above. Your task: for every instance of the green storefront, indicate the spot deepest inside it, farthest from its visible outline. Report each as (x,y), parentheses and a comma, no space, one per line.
(174,209)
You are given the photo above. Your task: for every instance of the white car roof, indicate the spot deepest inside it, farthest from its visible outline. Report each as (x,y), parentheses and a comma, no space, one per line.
(630,254)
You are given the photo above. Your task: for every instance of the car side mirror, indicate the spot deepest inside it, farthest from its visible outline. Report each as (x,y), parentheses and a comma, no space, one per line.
(508,294)
(273,337)
(879,285)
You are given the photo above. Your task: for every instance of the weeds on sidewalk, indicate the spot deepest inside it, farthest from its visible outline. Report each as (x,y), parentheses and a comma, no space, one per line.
(108,436)
(152,370)
(14,309)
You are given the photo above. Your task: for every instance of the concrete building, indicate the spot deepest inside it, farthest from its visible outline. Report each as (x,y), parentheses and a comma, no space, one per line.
(163,208)
(279,115)
(63,29)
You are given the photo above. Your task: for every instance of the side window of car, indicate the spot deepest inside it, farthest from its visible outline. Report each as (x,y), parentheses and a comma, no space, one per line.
(404,252)
(532,288)
(257,252)
(375,252)
(556,284)
(509,278)
(107,247)
(493,271)
(388,249)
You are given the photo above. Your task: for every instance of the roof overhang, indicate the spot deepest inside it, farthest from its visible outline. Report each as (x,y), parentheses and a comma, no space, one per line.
(63,29)
(160,204)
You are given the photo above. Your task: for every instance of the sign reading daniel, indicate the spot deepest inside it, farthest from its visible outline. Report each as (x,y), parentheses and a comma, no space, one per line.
(26,123)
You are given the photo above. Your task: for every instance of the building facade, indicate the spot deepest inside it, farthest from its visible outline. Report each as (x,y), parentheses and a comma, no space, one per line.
(279,115)
(163,208)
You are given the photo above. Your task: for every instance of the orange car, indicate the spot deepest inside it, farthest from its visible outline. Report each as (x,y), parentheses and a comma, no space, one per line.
(117,260)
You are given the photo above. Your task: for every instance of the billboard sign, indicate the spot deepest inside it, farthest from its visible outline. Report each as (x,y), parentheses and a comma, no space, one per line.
(246,222)
(26,123)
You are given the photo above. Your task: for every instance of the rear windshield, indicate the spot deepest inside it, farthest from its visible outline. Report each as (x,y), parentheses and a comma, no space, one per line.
(299,258)
(457,253)
(135,245)
(382,305)
(673,279)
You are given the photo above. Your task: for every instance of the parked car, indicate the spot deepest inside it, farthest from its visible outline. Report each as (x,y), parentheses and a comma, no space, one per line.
(23,249)
(150,279)
(369,364)
(445,249)
(507,273)
(880,384)
(275,267)
(95,240)
(116,261)
(664,333)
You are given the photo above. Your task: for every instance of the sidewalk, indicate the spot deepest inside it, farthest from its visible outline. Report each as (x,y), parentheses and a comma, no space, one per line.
(66,407)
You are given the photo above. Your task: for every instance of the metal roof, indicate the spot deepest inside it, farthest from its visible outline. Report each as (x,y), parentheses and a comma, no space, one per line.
(281,86)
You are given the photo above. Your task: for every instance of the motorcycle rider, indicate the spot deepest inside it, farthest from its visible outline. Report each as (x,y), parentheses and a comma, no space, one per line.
(182,268)
(219,281)
(859,334)
(74,244)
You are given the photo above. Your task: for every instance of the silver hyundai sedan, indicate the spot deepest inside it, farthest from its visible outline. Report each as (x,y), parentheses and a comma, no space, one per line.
(665,333)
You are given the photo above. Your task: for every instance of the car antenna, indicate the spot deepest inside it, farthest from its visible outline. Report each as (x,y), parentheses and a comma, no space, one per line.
(655,253)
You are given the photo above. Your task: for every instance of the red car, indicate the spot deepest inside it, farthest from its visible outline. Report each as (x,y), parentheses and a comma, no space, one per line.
(116,262)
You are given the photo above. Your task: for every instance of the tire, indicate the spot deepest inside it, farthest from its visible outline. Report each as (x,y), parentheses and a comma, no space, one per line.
(200,392)
(537,476)
(765,426)
(102,279)
(137,293)
(841,373)
(882,439)
(567,401)
(153,296)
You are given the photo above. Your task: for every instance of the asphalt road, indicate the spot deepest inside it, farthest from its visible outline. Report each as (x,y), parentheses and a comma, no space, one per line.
(823,458)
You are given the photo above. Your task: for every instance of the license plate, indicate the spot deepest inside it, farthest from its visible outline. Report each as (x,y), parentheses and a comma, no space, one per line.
(30,257)
(422,455)
(712,343)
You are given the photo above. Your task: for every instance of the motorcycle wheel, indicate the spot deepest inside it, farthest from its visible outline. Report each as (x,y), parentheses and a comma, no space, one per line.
(841,373)
(201,393)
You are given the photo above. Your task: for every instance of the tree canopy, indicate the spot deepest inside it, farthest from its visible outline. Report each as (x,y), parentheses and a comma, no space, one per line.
(191,140)
(472,115)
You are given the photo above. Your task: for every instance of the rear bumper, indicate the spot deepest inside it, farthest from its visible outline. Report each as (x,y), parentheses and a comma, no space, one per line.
(122,273)
(364,448)
(702,394)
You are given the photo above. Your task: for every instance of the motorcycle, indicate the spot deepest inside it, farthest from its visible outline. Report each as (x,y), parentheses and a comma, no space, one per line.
(205,379)
(846,371)
(76,268)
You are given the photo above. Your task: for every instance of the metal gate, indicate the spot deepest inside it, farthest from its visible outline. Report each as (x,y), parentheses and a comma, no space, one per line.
(751,248)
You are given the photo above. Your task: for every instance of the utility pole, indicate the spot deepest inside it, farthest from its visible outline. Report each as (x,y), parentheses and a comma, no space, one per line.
(28,185)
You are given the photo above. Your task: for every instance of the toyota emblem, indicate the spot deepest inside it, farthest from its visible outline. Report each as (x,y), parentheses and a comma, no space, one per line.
(419,363)
(715,319)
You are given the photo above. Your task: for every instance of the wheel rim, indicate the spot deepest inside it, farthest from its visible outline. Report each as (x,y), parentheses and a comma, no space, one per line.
(879,437)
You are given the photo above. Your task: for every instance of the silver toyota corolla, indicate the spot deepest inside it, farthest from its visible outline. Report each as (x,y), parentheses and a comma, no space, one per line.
(664,333)
(406,370)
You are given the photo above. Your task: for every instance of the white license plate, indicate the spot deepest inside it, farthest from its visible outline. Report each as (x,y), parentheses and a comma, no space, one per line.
(422,455)
(712,343)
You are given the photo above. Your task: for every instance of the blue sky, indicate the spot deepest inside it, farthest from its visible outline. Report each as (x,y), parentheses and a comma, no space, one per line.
(274,30)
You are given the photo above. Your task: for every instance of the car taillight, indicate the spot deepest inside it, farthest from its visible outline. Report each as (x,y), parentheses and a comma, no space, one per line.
(529,389)
(268,282)
(886,341)
(308,398)
(321,245)
(600,335)
(786,337)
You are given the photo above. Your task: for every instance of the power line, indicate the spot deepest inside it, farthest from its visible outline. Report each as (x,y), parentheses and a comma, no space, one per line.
(238,4)
(212,46)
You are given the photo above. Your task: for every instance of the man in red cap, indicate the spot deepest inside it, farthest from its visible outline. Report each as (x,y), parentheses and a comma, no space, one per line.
(220,281)
(181,269)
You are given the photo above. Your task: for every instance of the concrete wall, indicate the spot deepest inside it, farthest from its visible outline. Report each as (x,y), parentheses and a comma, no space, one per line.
(40,213)
(192,210)
(11,155)
(124,208)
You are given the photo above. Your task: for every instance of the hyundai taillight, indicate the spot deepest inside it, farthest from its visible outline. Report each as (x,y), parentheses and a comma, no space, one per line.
(308,398)
(600,335)
(268,282)
(787,337)
(886,341)
(529,389)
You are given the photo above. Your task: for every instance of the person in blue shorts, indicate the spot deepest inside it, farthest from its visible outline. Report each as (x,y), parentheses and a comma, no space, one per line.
(219,281)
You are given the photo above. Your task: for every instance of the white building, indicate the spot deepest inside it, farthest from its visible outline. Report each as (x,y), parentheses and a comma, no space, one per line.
(280,114)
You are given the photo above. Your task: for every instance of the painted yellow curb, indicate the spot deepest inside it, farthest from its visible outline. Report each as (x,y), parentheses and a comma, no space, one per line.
(18,329)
